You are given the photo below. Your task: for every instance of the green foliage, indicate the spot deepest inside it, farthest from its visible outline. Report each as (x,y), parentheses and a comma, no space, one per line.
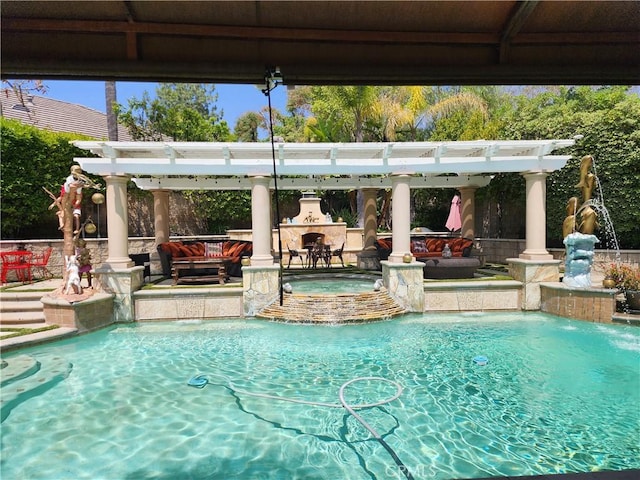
(609,120)
(248,126)
(181,112)
(32,159)
(223,210)
(349,217)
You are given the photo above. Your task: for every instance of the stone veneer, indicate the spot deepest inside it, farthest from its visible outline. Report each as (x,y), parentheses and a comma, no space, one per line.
(531,273)
(404,283)
(260,286)
(181,303)
(90,314)
(464,296)
(592,304)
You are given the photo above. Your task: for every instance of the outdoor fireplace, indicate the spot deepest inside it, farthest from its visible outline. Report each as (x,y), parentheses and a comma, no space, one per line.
(311,224)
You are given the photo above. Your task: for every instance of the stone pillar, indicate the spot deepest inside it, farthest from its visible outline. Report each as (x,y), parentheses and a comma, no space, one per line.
(261,221)
(403,280)
(260,287)
(370,218)
(368,257)
(468,203)
(405,284)
(400,217)
(117,223)
(536,233)
(118,275)
(161,215)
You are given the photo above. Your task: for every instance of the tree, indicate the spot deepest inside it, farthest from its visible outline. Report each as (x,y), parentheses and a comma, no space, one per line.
(608,118)
(24,209)
(110,100)
(248,126)
(180,112)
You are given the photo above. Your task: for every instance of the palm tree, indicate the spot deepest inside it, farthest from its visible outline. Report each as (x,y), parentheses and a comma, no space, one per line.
(111,99)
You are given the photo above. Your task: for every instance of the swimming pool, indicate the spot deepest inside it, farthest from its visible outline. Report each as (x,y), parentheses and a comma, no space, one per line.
(555,396)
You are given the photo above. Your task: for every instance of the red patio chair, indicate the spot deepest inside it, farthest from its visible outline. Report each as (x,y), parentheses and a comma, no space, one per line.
(18,261)
(39,262)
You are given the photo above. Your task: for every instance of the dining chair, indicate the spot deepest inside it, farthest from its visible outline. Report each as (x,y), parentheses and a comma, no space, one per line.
(294,253)
(40,261)
(338,253)
(18,261)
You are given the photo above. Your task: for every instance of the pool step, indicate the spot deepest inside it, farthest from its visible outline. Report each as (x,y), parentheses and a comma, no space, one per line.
(340,308)
(24,377)
(17,308)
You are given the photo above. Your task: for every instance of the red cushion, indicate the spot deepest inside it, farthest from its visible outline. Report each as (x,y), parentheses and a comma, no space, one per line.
(385,243)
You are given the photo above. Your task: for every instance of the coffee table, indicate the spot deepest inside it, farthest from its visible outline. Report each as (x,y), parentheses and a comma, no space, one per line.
(200,263)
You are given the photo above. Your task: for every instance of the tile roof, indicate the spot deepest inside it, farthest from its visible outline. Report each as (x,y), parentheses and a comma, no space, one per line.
(56,115)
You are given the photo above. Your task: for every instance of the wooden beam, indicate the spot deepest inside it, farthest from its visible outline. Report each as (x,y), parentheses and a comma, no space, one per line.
(516,20)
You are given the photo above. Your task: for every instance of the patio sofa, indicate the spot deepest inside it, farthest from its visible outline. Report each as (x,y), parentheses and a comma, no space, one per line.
(428,250)
(235,249)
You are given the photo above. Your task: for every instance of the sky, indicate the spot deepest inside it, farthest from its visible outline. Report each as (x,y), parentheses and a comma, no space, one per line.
(233,100)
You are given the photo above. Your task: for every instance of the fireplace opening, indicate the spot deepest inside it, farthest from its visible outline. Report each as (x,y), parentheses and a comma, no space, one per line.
(312,238)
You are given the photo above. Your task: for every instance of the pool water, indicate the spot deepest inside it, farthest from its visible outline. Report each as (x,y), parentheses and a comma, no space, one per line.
(555,396)
(331,285)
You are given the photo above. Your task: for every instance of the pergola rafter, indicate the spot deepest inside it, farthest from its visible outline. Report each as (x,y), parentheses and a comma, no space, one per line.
(325,166)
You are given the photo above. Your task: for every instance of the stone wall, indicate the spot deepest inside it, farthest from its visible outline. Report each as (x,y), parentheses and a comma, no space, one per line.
(591,304)
(492,250)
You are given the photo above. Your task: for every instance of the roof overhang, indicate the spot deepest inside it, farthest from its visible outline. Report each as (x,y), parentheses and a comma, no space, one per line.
(328,166)
(504,42)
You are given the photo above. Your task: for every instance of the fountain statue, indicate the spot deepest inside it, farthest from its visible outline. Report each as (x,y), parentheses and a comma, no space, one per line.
(578,228)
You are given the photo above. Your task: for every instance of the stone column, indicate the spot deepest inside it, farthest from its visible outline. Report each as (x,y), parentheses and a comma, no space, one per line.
(261,221)
(468,202)
(260,280)
(370,218)
(117,275)
(400,217)
(117,223)
(536,230)
(404,281)
(161,215)
(368,257)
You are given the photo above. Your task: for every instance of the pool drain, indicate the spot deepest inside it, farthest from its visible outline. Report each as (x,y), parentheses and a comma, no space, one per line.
(201,380)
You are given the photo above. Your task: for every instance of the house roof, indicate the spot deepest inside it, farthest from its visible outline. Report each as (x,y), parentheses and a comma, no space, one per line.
(56,115)
(327,166)
(345,42)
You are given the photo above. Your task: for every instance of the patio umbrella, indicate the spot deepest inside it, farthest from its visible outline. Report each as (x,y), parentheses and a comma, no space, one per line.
(454,222)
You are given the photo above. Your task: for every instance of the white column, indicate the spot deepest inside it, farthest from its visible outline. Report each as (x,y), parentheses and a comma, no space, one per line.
(536,230)
(117,223)
(467,200)
(161,215)
(400,217)
(261,221)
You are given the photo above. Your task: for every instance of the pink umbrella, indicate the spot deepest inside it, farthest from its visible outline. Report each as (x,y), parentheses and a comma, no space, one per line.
(454,222)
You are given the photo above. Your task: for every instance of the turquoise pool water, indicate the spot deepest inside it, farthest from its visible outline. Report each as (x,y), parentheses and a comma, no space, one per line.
(331,284)
(556,396)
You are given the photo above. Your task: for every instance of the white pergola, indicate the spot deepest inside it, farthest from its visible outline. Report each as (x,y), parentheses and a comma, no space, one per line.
(318,166)
(401,166)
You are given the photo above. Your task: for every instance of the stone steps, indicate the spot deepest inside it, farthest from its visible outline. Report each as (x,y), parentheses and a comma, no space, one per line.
(341,308)
(23,309)
(24,377)
(19,308)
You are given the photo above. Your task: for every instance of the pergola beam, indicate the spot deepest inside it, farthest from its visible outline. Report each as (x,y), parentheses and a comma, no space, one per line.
(216,159)
(308,183)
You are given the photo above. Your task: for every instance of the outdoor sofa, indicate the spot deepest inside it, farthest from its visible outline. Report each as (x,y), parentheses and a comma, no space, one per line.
(428,250)
(234,249)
